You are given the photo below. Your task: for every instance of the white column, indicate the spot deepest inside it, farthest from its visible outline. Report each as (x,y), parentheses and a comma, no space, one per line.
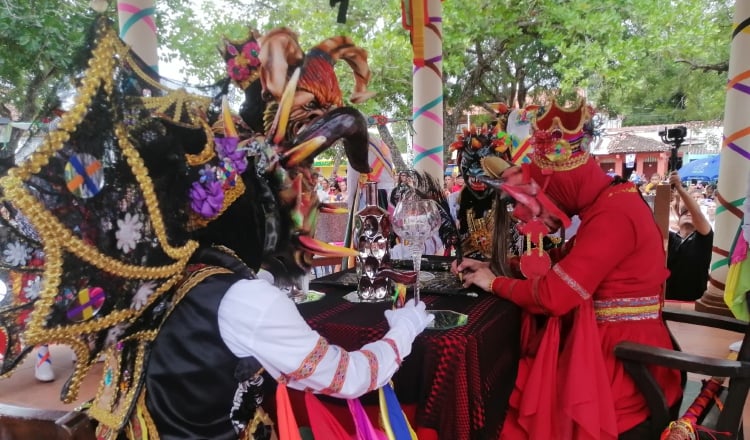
(138,29)
(735,160)
(427,84)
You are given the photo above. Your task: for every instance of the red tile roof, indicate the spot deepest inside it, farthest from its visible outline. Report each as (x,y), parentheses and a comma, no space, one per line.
(624,142)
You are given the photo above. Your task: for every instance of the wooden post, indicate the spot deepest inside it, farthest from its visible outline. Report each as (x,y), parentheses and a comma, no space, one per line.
(662,202)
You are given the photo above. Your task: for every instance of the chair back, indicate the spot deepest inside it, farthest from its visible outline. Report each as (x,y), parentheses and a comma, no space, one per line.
(723,421)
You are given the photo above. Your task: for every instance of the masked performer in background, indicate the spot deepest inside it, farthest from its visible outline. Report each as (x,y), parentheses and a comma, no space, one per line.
(605,288)
(476,202)
(146,215)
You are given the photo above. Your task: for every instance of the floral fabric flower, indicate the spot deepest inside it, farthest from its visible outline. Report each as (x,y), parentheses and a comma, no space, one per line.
(16,254)
(207,198)
(129,232)
(227,148)
(33,288)
(142,295)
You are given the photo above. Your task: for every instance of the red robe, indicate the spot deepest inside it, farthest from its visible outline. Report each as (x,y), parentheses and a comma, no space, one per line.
(570,385)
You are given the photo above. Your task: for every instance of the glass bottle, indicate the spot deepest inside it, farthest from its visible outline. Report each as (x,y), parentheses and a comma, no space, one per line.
(372,227)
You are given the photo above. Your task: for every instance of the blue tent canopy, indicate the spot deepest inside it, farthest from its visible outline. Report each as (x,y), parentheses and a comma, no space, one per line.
(706,168)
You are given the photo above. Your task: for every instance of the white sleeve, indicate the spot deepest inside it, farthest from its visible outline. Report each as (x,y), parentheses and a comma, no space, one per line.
(257,319)
(746,212)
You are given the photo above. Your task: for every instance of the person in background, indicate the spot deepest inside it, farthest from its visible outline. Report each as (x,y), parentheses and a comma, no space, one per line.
(401,187)
(652,182)
(449,183)
(642,188)
(708,192)
(340,193)
(459,184)
(324,190)
(689,249)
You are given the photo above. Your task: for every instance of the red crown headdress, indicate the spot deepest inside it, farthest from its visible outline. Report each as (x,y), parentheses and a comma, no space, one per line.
(561,136)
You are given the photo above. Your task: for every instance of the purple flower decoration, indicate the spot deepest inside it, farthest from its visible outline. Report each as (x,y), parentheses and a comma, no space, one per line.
(207,199)
(227,149)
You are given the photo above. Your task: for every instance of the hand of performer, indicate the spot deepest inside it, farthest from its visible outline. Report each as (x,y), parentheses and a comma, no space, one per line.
(467,265)
(482,278)
(474,272)
(412,317)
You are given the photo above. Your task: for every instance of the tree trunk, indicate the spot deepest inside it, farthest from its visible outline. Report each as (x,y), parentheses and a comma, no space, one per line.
(29,110)
(385,135)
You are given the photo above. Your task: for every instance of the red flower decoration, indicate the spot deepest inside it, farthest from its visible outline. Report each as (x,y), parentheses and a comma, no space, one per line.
(236,71)
(250,51)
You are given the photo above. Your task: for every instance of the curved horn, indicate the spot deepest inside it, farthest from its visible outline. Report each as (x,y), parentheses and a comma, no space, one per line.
(343,47)
(279,50)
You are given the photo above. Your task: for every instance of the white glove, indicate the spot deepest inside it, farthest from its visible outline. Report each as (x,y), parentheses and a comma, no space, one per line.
(411,317)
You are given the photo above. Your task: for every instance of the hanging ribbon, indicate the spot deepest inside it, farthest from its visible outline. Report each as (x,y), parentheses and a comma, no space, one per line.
(287,424)
(365,430)
(738,279)
(414,19)
(392,417)
(322,423)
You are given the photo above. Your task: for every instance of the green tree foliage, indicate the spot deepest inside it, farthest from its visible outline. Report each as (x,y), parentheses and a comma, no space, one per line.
(36,43)
(649,62)
(646,61)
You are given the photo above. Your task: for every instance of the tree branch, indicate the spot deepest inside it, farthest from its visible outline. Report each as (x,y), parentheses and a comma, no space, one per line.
(718,67)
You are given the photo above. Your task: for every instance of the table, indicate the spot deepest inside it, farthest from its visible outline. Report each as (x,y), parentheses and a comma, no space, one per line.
(457,380)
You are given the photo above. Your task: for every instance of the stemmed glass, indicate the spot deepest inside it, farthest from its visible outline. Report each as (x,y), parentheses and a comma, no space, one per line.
(415,221)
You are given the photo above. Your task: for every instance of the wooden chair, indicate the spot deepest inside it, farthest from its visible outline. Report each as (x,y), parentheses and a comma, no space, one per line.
(18,423)
(637,357)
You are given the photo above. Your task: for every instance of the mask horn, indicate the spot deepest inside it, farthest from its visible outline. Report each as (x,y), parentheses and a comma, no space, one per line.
(342,47)
(279,50)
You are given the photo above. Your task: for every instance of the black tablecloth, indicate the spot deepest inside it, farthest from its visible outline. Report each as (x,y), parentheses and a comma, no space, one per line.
(459,379)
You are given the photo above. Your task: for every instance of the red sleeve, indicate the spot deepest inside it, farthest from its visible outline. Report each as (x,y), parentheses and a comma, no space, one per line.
(602,242)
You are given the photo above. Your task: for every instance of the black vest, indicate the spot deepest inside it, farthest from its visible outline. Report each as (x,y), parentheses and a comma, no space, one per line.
(190,379)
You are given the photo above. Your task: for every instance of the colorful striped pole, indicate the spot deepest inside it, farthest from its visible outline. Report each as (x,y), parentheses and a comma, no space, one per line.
(427,85)
(735,162)
(138,29)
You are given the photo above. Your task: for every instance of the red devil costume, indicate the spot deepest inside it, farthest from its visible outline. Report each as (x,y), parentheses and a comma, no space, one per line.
(605,288)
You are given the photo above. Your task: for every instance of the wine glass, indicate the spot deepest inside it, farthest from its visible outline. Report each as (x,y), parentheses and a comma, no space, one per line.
(415,221)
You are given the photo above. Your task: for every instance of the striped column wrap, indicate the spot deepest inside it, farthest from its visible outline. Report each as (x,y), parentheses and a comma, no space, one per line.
(427,84)
(138,29)
(735,152)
